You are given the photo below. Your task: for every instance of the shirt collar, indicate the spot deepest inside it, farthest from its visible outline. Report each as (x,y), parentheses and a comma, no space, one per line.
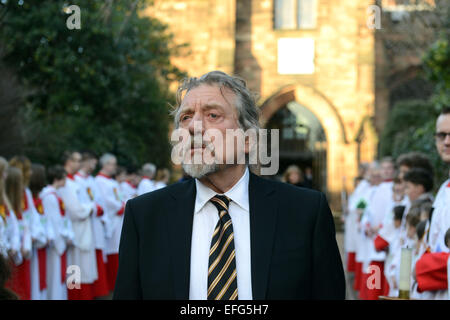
(238,193)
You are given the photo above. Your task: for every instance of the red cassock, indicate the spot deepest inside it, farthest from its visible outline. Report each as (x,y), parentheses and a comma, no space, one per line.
(351,262)
(100,286)
(380,243)
(20,281)
(431,271)
(42,253)
(358,275)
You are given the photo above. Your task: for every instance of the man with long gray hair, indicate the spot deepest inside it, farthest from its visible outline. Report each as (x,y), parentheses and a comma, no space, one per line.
(228,234)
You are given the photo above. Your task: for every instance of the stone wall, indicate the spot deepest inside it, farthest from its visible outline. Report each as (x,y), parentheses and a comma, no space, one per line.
(340,91)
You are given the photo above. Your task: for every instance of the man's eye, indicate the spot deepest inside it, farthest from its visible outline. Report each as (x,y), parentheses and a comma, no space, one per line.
(213,115)
(185,117)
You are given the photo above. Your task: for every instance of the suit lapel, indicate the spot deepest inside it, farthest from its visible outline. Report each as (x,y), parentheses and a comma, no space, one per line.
(180,231)
(263,214)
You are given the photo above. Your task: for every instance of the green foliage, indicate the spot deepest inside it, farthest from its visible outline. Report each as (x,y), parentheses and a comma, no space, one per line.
(437,68)
(411,124)
(102,87)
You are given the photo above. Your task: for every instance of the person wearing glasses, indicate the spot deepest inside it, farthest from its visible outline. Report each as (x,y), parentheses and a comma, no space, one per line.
(442,137)
(431,268)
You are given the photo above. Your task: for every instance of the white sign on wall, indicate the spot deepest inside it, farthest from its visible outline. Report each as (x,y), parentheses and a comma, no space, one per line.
(295,56)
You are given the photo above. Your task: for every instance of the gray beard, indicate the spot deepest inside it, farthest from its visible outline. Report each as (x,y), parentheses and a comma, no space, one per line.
(200,170)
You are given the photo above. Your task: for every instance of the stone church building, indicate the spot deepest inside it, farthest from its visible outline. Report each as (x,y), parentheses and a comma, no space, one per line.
(312,65)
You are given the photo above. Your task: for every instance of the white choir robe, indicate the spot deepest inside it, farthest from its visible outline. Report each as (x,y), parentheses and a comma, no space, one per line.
(50,233)
(128,191)
(146,185)
(351,218)
(56,288)
(442,224)
(439,205)
(382,199)
(364,242)
(159,185)
(82,253)
(389,265)
(89,194)
(402,242)
(108,192)
(12,233)
(39,237)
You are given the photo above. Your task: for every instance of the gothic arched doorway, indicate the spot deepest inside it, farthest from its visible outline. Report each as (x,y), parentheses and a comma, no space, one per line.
(302,142)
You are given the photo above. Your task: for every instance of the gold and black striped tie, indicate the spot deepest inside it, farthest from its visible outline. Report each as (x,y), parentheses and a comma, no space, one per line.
(222,281)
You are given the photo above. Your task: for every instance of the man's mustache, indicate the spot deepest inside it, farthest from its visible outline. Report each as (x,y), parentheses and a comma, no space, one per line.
(199,142)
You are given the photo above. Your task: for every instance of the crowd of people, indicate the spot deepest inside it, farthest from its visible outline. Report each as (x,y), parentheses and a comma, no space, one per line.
(60,226)
(392,208)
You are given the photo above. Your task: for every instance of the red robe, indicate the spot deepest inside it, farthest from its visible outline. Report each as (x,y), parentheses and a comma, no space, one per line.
(431,272)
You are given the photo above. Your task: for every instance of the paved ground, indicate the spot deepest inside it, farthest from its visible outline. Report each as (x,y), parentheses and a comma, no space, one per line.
(350,294)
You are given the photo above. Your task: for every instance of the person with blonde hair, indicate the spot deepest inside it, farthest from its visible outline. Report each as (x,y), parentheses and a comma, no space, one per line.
(9,230)
(31,216)
(293,175)
(20,281)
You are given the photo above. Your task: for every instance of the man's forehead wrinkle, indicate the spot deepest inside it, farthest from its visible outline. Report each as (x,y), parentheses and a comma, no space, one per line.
(212,102)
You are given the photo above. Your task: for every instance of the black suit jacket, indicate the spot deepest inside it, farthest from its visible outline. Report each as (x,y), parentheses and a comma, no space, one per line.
(294,254)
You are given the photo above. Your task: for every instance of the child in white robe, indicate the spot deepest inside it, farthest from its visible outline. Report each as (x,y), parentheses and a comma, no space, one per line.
(56,256)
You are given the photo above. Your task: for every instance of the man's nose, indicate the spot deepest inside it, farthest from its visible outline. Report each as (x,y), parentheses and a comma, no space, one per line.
(196,125)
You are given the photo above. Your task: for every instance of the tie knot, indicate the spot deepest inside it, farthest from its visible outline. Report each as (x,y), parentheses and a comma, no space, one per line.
(221,202)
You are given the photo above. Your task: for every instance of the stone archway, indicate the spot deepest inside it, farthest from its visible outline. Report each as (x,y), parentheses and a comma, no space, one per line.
(338,152)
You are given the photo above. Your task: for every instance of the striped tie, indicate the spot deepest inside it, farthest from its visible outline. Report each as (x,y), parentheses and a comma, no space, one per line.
(222,283)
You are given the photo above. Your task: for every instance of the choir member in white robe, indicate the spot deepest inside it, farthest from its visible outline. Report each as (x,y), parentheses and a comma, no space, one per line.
(439,209)
(363,241)
(147,184)
(90,194)
(392,232)
(39,238)
(64,237)
(37,183)
(113,206)
(20,281)
(376,215)
(82,254)
(351,227)
(128,190)
(32,219)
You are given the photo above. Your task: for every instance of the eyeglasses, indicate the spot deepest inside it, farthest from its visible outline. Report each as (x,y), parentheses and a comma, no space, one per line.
(440,136)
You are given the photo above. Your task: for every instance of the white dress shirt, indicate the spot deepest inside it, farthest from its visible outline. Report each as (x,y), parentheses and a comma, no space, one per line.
(205,219)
